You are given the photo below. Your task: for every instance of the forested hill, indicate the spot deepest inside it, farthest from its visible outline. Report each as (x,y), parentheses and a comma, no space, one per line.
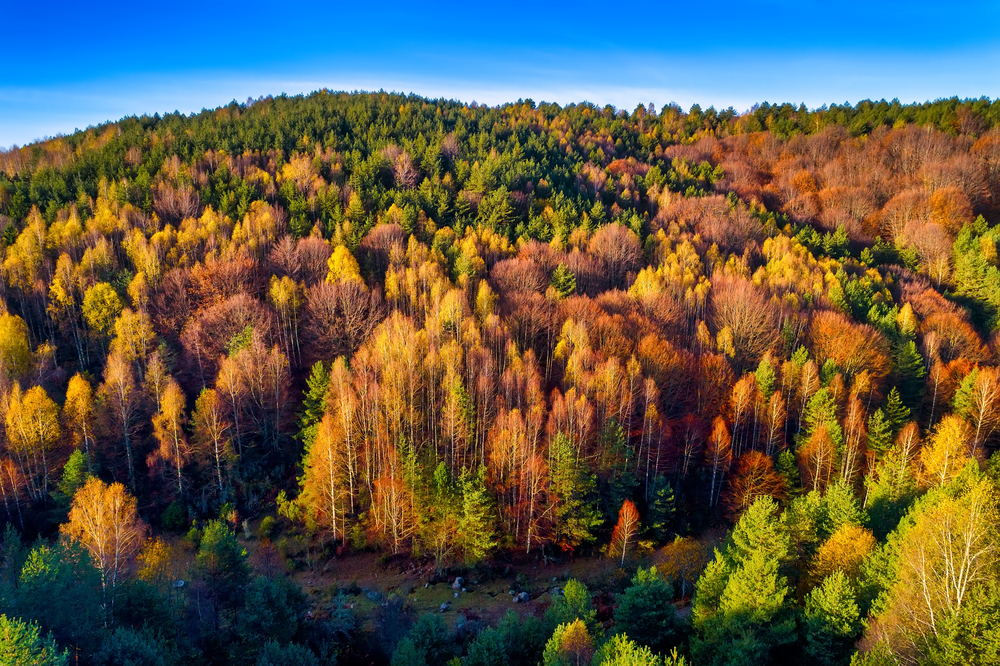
(273,336)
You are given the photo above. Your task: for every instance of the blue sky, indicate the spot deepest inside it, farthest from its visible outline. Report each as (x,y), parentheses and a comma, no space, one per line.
(68,66)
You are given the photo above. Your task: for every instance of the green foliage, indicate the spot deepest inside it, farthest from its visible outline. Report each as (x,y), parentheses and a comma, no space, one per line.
(314,401)
(765,378)
(271,611)
(240,341)
(620,651)
(563,281)
(175,516)
(74,474)
(222,564)
(576,512)
(408,654)
(909,368)
(832,621)
(573,604)
(21,644)
(131,647)
(477,522)
(488,649)
(432,639)
(61,590)
(880,433)
(645,612)
(661,510)
(292,654)
(896,413)
(740,610)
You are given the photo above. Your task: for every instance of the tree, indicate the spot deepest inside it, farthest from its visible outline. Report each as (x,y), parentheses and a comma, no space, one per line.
(832,620)
(753,477)
(120,394)
(211,436)
(570,645)
(74,475)
(104,520)
(168,427)
(645,612)
(563,281)
(948,451)
(343,266)
(573,604)
(626,531)
(21,644)
(477,523)
(620,651)
(571,493)
(943,552)
(101,307)
(33,432)
(221,562)
(78,412)
(126,646)
(845,551)
(15,349)
(719,455)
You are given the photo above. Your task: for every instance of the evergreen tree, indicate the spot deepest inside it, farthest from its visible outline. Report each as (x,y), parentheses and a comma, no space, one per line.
(314,401)
(879,433)
(74,474)
(765,377)
(896,413)
(477,526)
(22,644)
(832,621)
(661,510)
(645,612)
(574,492)
(910,371)
(563,281)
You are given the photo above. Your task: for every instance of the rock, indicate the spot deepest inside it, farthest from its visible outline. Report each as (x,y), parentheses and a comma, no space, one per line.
(459,582)
(464,590)
(521,598)
(554,579)
(444,607)
(456,595)
(426,585)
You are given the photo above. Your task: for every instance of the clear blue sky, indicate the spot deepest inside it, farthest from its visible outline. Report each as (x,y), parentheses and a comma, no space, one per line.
(70,65)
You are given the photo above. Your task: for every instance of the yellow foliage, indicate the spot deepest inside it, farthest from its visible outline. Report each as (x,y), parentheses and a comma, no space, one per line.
(343,266)
(947,452)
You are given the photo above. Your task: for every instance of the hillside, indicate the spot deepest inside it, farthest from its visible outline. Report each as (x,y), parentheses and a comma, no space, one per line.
(240,348)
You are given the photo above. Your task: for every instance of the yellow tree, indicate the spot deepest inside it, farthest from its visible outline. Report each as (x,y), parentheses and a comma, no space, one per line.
(845,550)
(32,421)
(947,452)
(168,427)
(78,412)
(15,351)
(324,493)
(343,266)
(211,433)
(104,520)
(120,394)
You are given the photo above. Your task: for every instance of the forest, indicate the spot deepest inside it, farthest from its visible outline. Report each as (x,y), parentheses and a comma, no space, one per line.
(731,380)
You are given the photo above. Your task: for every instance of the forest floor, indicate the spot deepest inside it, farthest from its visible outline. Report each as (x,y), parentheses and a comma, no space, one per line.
(486,592)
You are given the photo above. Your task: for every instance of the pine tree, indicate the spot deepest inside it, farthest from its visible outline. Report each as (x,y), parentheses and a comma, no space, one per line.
(832,620)
(314,401)
(896,413)
(879,433)
(661,509)
(646,612)
(765,378)
(563,281)
(910,370)
(477,525)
